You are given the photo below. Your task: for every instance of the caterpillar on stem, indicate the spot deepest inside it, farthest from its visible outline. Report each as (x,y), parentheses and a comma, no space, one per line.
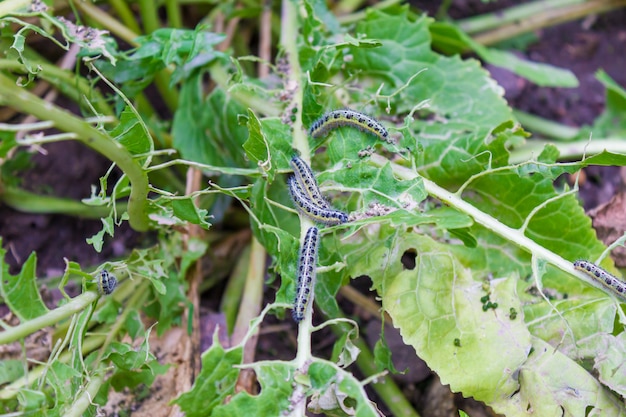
(106,282)
(616,285)
(346,117)
(307,264)
(307,207)
(305,177)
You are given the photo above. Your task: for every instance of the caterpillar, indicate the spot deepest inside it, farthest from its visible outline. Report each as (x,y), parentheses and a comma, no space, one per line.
(608,280)
(307,264)
(347,117)
(305,177)
(307,207)
(107,282)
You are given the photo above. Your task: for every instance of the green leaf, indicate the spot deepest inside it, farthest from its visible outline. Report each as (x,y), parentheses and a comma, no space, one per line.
(188,50)
(609,356)
(7,142)
(215,382)
(10,370)
(553,384)
(559,225)
(207,130)
(133,366)
(20,292)
(268,144)
(436,303)
(345,351)
(133,134)
(31,400)
(382,356)
(170,299)
(134,325)
(185,209)
(276,383)
(97,240)
(337,393)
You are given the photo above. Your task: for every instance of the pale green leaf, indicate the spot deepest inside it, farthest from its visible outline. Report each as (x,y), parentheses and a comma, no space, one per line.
(20,292)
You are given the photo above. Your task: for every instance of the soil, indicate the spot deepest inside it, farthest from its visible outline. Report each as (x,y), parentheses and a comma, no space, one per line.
(70,169)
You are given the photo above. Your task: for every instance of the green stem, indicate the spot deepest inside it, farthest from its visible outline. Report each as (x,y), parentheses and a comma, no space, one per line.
(442,11)
(162,78)
(358,16)
(28,202)
(125,14)
(11,6)
(170,95)
(149,17)
(173,14)
(74,87)
(515,236)
(107,21)
(11,390)
(568,150)
(252,296)
(136,301)
(512,14)
(22,100)
(288,41)
(386,388)
(86,398)
(547,18)
(231,298)
(76,305)
(545,127)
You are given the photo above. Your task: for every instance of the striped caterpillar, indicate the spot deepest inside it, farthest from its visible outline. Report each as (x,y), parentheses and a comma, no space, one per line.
(307,264)
(347,117)
(107,282)
(307,207)
(617,286)
(307,181)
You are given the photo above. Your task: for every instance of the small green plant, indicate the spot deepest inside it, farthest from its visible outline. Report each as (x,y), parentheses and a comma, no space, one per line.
(490,299)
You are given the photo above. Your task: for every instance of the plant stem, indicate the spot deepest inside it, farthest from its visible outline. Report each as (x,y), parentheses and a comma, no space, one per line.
(252,298)
(149,17)
(288,41)
(515,236)
(28,202)
(76,305)
(568,150)
(125,15)
(107,21)
(135,303)
(545,127)
(162,78)
(231,298)
(11,390)
(547,18)
(481,23)
(386,388)
(20,99)
(86,398)
(442,11)
(358,16)
(173,14)
(74,87)
(11,6)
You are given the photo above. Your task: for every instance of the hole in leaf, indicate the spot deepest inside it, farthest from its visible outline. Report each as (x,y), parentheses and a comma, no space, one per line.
(408,259)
